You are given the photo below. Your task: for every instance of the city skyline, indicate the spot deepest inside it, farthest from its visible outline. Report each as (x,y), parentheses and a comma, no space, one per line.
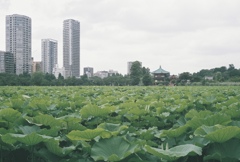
(178,35)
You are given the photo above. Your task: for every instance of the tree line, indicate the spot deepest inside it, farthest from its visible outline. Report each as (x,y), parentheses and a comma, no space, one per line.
(138,76)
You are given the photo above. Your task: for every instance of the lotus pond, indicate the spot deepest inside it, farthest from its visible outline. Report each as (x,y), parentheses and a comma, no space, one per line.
(85,124)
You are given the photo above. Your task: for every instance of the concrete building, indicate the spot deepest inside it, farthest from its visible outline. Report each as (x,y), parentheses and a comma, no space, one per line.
(71,47)
(49,55)
(6,62)
(19,41)
(36,66)
(57,71)
(112,72)
(88,71)
(129,65)
(101,74)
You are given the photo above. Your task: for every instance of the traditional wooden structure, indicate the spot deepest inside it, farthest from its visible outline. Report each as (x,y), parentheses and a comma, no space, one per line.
(160,75)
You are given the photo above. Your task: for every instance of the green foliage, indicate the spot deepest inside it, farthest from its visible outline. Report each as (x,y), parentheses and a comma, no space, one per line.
(120,123)
(175,153)
(112,149)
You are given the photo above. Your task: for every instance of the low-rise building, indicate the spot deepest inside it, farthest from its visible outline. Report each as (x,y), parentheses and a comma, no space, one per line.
(6,62)
(88,71)
(36,66)
(57,71)
(160,75)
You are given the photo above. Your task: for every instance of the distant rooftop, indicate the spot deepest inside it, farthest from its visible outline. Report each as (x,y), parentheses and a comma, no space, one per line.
(160,71)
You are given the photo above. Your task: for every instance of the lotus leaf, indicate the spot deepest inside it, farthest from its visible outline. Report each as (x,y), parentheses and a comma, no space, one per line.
(174,153)
(9,114)
(85,135)
(218,133)
(112,149)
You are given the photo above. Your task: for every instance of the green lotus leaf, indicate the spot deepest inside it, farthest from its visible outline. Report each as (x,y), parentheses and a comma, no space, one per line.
(218,133)
(29,139)
(174,153)
(209,120)
(227,151)
(29,129)
(194,113)
(9,114)
(85,135)
(53,146)
(137,111)
(7,138)
(47,120)
(92,110)
(113,128)
(112,149)
(172,133)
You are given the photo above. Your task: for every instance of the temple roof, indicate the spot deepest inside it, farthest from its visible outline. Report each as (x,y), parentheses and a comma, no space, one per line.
(160,71)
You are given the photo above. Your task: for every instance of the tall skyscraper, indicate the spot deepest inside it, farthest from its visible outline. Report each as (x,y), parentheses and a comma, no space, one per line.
(71,47)
(49,55)
(19,41)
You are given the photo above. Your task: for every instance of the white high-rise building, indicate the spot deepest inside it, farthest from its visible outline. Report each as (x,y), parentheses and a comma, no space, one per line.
(19,42)
(49,55)
(71,47)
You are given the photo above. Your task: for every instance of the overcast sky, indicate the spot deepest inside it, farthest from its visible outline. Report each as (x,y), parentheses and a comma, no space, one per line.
(179,35)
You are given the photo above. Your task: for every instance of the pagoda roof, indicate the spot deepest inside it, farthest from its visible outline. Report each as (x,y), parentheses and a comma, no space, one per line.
(160,71)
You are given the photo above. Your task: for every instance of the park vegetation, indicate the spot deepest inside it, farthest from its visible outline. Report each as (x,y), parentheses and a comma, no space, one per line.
(103,123)
(138,76)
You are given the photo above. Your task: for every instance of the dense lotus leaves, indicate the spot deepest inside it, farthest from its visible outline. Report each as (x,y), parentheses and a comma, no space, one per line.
(232,110)
(112,149)
(201,114)
(176,152)
(93,110)
(113,129)
(85,135)
(46,120)
(198,141)
(173,133)
(73,122)
(28,139)
(209,120)
(225,152)
(53,146)
(16,103)
(217,133)
(29,129)
(9,114)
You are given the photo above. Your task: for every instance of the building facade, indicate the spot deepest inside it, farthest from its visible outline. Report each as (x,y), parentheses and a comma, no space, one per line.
(88,71)
(36,66)
(71,47)
(19,41)
(49,55)
(57,71)
(101,74)
(6,62)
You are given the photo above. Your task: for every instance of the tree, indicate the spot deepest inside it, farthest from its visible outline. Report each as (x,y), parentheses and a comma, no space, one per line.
(218,76)
(147,78)
(136,73)
(37,78)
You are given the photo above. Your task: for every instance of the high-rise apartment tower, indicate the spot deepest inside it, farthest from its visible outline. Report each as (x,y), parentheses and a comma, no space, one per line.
(19,42)
(71,47)
(49,55)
